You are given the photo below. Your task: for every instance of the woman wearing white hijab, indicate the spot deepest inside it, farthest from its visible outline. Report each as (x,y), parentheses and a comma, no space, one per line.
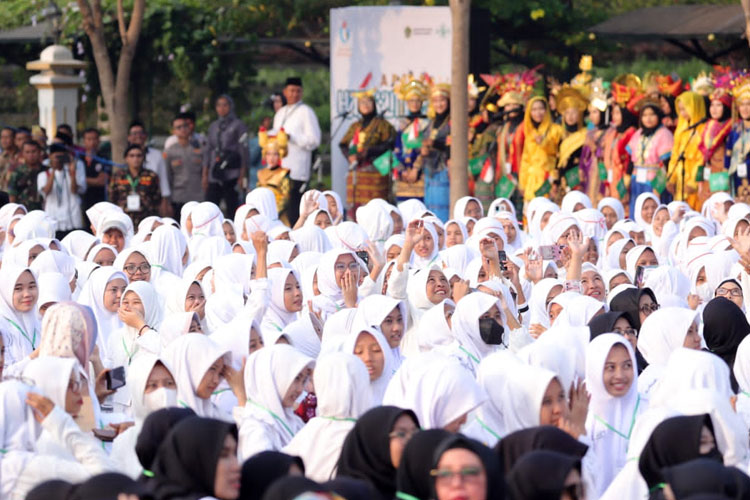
(152,388)
(78,243)
(310,239)
(455,233)
(575,201)
(285,304)
(168,250)
(612,209)
(275,377)
(434,328)
(207,220)
(174,325)
(645,206)
(539,217)
(103,293)
(140,312)
(387,314)
(304,335)
(476,336)
(612,380)
(438,389)
(640,255)
(515,238)
(343,392)
(501,205)
(198,366)
(468,206)
(281,253)
(22,466)
(426,251)
(375,219)
(579,311)
(18,298)
(54,261)
(411,209)
(425,289)
(663,332)
(541,295)
(264,201)
(335,206)
(187,297)
(615,256)
(369,345)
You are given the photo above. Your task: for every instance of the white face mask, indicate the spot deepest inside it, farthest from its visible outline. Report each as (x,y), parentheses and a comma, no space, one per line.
(704,292)
(160,398)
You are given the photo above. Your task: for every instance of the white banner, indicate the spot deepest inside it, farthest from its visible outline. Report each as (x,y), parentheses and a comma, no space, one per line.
(369,47)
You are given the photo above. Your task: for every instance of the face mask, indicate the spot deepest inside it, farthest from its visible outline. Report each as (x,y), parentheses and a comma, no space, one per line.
(704,292)
(491,331)
(160,398)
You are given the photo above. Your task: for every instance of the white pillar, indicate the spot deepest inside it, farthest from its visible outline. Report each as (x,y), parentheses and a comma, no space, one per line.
(57,87)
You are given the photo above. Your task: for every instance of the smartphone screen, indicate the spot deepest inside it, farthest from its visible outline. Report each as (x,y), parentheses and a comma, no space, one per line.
(364,256)
(115,378)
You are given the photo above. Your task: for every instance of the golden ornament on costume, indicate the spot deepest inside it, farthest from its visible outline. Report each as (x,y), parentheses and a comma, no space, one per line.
(275,178)
(278,143)
(703,84)
(569,97)
(741,87)
(409,86)
(625,87)
(472,87)
(599,95)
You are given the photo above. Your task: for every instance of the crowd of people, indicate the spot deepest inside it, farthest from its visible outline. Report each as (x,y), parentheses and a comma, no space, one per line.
(570,332)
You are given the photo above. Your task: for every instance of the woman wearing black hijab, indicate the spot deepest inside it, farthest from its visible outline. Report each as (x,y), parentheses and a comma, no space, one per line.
(198,458)
(618,322)
(638,304)
(413,475)
(262,469)
(54,489)
(154,430)
(675,441)
(372,448)
(107,487)
(290,487)
(542,475)
(724,327)
(514,446)
(478,468)
(702,475)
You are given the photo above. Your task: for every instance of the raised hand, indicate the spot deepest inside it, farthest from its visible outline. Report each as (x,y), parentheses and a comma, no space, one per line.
(260,242)
(349,289)
(133,318)
(742,242)
(413,234)
(460,290)
(534,264)
(579,407)
(577,244)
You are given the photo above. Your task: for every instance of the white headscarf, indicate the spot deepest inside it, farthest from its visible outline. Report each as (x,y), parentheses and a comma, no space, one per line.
(268,374)
(522,395)
(280,252)
(538,301)
(631,258)
(579,310)
(458,257)
(53,288)
(379,385)
(417,261)
(174,325)
(614,204)
(166,249)
(189,357)
(639,201)
(372,310)
(310,239)
(78,243)
(125,343)
(663,332)
(461,226)
(433,330)
(572,199)
(51,375)
(411,209)
(438,389)
(465,325)
(375,219)
(619,413)
(342,387)
(416,290)
(501,205)
(277,316)
(25,327)
(92,295)
(207,220)
(327,283)
(264,201)
(302,336)
(19,432)
(459,208)
(339,205)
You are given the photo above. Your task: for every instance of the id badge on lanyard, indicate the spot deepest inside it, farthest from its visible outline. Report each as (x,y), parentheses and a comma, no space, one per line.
(133,203)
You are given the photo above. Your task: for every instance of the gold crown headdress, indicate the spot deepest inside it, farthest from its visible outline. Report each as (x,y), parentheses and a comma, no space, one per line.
(599,96)
(473,88)
(276,142)
(582,81)
(409,86)
(625,88)
(703,84)
(740,85)
(570,97)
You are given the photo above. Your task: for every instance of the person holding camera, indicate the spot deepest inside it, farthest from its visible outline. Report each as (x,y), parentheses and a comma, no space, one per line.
(225,160)
(61,187)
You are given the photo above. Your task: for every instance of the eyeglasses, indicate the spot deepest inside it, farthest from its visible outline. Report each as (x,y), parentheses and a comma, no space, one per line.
(734,292)
(466,474)
(649,308)
(575,491)
(143,268)
(75,385)
(627,332)
(340,268)
(402,435)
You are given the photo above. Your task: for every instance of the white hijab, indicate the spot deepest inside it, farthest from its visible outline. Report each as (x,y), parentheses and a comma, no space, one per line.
(572,199)
(459,208)
(310,239)
(379,385)
(207,220)
(189,357)
(538,301)
(277,316)
(522,393)
(167,247)
(433,329)
(465,326)
(614,204)
(92,295)
(24,326)
(19,432)
(264,201)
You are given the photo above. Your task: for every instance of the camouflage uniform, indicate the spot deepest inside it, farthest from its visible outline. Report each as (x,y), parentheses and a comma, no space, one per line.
(147,188)
(22,185)
(8,163)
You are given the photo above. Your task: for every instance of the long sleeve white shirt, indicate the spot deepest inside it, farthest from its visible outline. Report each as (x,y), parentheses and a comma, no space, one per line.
(299,121)
(61,204)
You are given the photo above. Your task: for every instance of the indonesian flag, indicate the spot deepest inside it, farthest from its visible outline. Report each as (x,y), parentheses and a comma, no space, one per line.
(487,175)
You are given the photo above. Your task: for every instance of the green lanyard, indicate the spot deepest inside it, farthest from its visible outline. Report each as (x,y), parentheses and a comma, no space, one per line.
(340,419)
(487,428)
(182,403)
(147,473)
(216,393)
(133,183)
(32,340)
(276,417)
(128,353)
(632,422)
(276,326)
(476,360)
(405,496)
(745,393)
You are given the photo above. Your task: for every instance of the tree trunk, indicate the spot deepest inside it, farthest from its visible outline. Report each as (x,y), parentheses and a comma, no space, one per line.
(459,166)
(746,7)
(114,88)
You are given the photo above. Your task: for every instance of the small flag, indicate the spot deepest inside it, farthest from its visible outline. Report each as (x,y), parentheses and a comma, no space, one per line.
(602,171)
(573,177)
(621,189)
(659,183)
(504,187)
(543,189)
(475,164)
(487,175)
(384,162)
(719,181)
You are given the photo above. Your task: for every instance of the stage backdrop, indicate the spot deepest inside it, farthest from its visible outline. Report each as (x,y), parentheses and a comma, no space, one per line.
(369,47)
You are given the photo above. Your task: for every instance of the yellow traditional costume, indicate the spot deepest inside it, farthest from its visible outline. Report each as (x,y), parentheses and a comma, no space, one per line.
(275,178)
(573,138)
(539,156)
(686,156)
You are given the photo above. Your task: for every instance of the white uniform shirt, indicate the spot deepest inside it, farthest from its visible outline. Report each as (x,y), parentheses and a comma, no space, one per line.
(155,162)
(299,121)
(61,204)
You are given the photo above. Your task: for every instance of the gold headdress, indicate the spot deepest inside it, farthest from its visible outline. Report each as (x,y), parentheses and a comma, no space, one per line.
(582,81)
(703,84)
(625,88)
(599,95)
(409,86)
(276,142)
(569,97)
(473,88)
(741,86)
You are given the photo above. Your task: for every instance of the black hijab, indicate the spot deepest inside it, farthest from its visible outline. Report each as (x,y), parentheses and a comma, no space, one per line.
(724,327)
(628,301)
(366,453)
(290,487)
(366,119)
(107,486)
(413,475)
(54,489)
(701,475)
(185,465)
(628,120)
(605,323)
(541,474)
(262,469)
(674,441)
(649,131)
(492,468)
(350,488)
(155,428)
(514,446)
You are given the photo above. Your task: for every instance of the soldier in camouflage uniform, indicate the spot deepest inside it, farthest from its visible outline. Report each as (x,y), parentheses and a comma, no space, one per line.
(22,185)
(134,188)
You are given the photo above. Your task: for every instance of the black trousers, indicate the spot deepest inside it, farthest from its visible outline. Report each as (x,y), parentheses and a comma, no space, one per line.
(218,191)
(295,197)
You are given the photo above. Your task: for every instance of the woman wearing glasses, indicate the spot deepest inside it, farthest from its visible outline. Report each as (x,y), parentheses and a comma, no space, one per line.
(466,469)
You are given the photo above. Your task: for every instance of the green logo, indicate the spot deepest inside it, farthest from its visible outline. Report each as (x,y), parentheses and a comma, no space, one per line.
(407,32)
